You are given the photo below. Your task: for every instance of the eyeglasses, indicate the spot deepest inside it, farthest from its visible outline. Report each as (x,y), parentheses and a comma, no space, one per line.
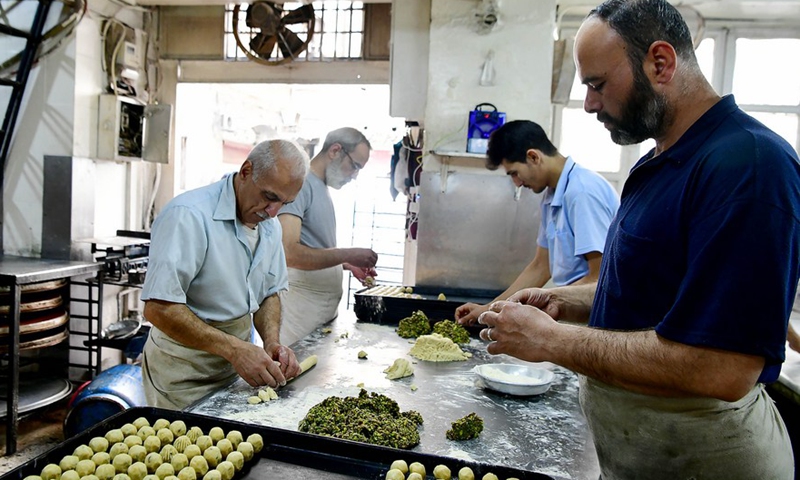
(356,166)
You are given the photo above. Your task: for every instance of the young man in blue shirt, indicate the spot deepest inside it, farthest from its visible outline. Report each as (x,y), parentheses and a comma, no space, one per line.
(576,209)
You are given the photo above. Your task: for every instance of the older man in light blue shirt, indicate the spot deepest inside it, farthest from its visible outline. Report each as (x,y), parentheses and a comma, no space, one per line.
(216,266)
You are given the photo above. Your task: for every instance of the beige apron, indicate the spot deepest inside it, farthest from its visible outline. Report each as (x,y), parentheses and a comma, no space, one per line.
(646,437)
(312,300)
(175,376)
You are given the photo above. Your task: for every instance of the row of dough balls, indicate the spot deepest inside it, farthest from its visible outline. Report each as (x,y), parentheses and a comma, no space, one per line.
(136,453)
(416,471)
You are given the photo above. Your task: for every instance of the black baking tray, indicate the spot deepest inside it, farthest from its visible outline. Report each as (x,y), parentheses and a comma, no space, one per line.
(390,310)
(286,453)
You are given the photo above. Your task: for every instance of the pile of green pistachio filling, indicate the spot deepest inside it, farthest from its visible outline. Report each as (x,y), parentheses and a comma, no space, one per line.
(452,330)
(369,418)
(414,326)
(466,428)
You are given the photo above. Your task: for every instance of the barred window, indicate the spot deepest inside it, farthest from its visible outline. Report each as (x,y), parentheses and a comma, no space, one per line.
(338,31)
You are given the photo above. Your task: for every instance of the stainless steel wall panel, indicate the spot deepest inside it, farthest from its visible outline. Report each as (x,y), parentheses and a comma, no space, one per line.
(474,234)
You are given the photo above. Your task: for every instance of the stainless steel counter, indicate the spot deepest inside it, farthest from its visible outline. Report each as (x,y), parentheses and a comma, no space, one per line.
(545,434)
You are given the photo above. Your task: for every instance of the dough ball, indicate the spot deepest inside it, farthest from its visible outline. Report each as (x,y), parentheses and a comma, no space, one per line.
(51,472)
(216,434)
(415,476)
(253,400)
(144,432)
(441,472)
(212,456)
(114,436)
(178,428)
(182,442)
(246,448)
(395,474)
(91,476)
(466,473)
(101,458)
(117,448)
(255,440)
(237,459)
(490,476)
(213,475)
(128,429)
(165,435)
(192,451)
(187,473)
(204,441)
(194,433)
(153,460)
(137,471)
(121,476)
(141,422)
(132,440)
(137,453)
(225,447)
(172,477)
(68,462)
(235,437)
(32,477)
(104,472)
(399,465)
(417,467)
(160,423)
(121,462)
(164,470)
(98,444)
(179,462)
(68,475)
(200,465)
(226,469)
(152,444)
(83,452)
(512,478)
(167,452)
(151,476)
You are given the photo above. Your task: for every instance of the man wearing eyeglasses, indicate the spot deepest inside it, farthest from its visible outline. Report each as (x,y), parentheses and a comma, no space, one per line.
(315,263)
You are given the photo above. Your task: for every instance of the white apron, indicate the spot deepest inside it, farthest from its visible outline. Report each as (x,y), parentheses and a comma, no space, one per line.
(312,300)
(176,376)
(646,437)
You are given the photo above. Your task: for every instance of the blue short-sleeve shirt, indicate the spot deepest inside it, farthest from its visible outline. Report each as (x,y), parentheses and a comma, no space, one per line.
(705,247)
(575,220)
(199,256)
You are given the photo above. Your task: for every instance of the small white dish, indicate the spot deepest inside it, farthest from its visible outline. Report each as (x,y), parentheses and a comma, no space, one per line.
(521,380)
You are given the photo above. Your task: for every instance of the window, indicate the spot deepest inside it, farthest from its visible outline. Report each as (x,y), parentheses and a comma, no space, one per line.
(338,30)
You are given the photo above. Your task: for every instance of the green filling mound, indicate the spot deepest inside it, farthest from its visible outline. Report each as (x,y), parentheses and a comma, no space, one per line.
(369,418)
(466,428)
(414,326)
(452,330)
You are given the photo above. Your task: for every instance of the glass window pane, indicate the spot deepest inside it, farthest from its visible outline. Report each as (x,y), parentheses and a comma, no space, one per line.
(342,45)
(784,124)
(705,57)
(588,142)
(358,20)
(763,75)
(355,45)
(343,21)
(578,91)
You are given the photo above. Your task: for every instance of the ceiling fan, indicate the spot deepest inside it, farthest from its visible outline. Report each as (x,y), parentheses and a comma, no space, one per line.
(278,35)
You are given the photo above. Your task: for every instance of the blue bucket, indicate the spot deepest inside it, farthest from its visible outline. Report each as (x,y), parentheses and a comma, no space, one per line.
(111,392)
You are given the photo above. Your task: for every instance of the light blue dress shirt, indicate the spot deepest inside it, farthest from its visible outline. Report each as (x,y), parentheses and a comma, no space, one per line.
(575,221)
(199,256)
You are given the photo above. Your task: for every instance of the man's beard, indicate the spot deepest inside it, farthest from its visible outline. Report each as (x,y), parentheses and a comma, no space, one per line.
(334,176)
(644,115)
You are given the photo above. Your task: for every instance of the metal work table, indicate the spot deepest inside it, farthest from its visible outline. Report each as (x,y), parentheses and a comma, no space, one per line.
(15,272)
(546,434)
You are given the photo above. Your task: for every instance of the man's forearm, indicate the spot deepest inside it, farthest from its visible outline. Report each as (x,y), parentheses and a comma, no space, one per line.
(302,257)
(267,319)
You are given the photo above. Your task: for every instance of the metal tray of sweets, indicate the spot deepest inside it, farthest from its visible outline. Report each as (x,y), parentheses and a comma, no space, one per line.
(391,308)
(286,453)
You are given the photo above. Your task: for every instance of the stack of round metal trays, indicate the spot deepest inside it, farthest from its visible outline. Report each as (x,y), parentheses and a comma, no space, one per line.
(43,315)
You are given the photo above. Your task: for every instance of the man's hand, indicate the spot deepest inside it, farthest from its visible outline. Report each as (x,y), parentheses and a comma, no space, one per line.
(256,366)
(518,330)
(285,358)
(361,274)
(362,257)
(468,313)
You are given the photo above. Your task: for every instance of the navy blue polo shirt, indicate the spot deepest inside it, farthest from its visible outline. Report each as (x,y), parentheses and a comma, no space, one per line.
(705,247)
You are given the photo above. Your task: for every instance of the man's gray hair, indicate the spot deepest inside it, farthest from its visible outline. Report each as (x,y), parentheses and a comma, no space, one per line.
(349,138)
(264,156)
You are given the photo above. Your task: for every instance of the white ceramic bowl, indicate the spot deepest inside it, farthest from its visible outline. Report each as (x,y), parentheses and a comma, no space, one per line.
(514,379)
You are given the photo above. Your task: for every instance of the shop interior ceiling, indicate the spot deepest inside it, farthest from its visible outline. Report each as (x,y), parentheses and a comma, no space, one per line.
(708,9)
